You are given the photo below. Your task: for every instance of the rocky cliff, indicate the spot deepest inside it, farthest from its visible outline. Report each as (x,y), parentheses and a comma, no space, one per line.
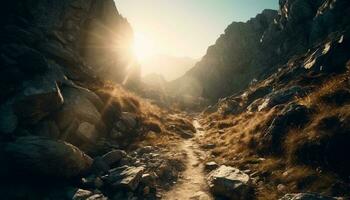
(63,116)
(249,52)
(289,128)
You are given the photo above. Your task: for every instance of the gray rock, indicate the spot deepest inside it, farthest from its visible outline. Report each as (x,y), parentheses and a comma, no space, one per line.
(81,194)
(39,98)
(125,177)
(230,182)
(305,196)
(185,133)
(211,166)
(45,157)
(87,131)
(81,116)
(129,120)
(113,157)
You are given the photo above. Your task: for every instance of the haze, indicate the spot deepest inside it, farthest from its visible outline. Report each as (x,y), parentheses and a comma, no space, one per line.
(182,28)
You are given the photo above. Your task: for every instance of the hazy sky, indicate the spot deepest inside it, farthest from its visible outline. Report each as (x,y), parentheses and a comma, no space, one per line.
(186,27)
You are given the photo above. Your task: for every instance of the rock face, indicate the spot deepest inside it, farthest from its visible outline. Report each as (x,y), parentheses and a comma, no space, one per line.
(255,49)
(45,157)
(49,51)
(230,183)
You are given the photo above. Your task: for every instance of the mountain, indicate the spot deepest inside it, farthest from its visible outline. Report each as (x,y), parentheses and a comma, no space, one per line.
(171,67)
(255,49)
(66,114)
(281,94)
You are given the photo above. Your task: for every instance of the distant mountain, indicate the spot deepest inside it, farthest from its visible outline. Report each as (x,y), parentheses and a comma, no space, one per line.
(170,67)
(255,49)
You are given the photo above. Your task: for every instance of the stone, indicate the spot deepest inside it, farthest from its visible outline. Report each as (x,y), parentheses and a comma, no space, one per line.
(81,115)
(45,157)
(124,177)
(208,146)
(306,196)
(209,166)
(87,131)
(282,96)
(185,134)
(129,120)
(39,98)
(81,194)
(113,157)
(293,115)
(230,183)
(99,166)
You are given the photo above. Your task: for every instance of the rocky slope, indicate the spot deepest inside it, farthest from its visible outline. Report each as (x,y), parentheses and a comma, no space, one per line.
(251,51)
(64,119)
(288,130)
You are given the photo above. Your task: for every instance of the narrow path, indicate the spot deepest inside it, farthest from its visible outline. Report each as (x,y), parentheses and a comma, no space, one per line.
(192,185)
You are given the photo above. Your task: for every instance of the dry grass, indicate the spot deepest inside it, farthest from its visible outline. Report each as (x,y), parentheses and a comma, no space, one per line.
(236,138)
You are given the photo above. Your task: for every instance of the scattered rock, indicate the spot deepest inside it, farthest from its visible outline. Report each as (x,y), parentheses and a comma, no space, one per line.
(306,196)
(230,182)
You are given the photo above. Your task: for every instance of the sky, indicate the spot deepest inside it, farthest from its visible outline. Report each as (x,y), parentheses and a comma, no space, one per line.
(185,28)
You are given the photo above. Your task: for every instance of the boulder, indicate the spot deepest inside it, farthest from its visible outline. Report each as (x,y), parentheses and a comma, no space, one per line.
(124,177)
(230,183)
(306,196)
(293,115)
(211,166)
(79,119)
(129,120)
(113,157)
(282,96)
(45,157)
(81,194)
(185,134)
(38,99)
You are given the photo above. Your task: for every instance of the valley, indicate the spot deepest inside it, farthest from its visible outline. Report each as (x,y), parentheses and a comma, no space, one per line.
(264,115)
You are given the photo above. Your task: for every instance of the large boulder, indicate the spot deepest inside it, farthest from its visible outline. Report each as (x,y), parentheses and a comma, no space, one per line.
(124,177)
(79,120)
(38,99)
(230,182)
(45,158)
(305,196)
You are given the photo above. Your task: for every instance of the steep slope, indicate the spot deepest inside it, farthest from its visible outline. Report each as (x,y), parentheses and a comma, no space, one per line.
(253,50)
(289,129)
(69,128)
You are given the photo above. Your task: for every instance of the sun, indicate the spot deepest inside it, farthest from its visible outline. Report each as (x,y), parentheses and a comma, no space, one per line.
(142,47)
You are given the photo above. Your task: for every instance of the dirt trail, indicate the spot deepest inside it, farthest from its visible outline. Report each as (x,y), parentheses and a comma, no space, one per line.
(192,185)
